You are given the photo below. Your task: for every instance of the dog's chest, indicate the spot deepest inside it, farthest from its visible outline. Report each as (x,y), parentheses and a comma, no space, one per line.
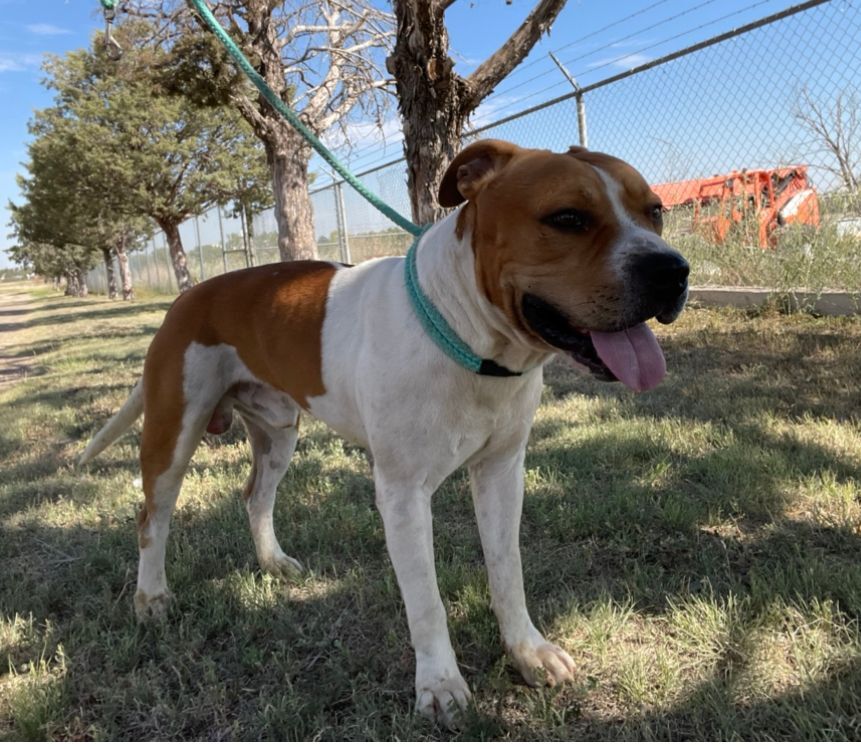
(387,382)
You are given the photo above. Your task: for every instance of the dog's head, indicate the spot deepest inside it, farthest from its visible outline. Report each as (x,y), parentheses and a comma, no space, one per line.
(569,247)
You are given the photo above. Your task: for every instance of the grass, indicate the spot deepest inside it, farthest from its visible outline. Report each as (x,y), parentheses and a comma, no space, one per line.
(810,258)
(695,548)
(815,259)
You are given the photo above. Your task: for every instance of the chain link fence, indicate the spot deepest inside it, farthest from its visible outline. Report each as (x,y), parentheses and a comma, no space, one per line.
(779,99)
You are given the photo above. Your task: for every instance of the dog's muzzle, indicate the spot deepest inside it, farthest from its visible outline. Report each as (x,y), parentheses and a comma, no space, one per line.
(659,283)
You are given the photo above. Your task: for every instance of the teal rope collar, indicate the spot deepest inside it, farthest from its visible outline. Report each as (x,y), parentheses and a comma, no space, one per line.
(437,327)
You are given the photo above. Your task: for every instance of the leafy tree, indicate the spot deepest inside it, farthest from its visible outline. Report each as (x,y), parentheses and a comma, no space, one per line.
(252,194)
(67,206)
(49,229)
(144,150)
(322,57)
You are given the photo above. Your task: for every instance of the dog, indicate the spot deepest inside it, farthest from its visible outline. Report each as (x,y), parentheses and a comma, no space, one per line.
(547,254)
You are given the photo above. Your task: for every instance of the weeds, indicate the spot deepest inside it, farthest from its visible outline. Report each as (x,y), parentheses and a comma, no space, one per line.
(695,548)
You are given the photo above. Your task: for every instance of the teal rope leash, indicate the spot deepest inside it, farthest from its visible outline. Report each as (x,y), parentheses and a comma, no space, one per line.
(291,117)
(437,327)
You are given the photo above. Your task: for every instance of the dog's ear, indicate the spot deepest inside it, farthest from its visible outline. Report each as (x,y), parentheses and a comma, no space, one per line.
(472,168)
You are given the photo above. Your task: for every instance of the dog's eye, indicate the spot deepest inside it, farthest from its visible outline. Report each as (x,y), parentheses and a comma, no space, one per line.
(656,214)
(570,219)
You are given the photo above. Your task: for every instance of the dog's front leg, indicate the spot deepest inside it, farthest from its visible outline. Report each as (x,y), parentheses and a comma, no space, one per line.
(406,513)
(497,490)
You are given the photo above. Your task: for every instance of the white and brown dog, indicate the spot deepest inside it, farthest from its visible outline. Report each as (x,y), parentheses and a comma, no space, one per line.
(551,253)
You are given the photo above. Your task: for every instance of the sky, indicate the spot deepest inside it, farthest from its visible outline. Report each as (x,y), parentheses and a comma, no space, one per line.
(594,39)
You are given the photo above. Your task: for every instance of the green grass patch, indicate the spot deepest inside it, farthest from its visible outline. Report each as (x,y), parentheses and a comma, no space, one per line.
(695,548)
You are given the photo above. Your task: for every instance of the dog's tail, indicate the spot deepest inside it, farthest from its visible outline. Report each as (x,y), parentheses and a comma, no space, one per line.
(118,424)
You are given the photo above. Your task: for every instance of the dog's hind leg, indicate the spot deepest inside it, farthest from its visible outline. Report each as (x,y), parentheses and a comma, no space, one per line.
(175,417)
(272,422)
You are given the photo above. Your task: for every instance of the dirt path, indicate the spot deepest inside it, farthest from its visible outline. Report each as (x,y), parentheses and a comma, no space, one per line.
(16,305)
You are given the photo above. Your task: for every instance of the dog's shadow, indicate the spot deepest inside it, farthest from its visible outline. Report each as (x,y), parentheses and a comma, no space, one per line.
(243,655)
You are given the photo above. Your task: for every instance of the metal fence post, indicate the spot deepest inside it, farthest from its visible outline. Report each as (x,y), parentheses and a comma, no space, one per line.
(341,218)
(154,256)
(578,96)
(199,247)
(247,245)
(221,234)
(145,259)
(171,276)
(581,120)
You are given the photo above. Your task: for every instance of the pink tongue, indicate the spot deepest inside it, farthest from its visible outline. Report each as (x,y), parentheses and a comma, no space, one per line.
(633,355)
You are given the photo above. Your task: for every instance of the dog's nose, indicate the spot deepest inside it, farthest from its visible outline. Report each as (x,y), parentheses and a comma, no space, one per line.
(662,275)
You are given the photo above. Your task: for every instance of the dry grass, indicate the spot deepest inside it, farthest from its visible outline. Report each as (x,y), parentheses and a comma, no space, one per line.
(696,549)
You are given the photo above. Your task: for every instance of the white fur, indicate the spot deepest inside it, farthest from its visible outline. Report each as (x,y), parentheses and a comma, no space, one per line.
(389,387)
(421,415)
(632,236)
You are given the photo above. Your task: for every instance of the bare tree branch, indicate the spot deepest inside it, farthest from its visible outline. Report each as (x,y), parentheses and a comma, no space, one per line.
(488,75)
(838,131)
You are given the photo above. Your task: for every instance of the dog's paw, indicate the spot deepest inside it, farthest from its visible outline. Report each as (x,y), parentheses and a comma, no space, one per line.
(542,663)
(443,699)
(282,566)
(152,608)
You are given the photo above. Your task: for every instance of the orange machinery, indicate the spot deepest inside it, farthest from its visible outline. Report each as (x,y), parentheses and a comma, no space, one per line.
(768,198)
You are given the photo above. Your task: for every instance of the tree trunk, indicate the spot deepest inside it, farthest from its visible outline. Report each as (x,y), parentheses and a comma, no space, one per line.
(109,272)
(76,282)
(71,283)
(177,254)
(125,270)
(434,101)
(430,100)
(845,162)
(288,159)
(82,283)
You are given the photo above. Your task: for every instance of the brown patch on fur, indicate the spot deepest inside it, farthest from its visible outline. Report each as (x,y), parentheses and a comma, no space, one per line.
(472,168)
(272,315)
(517,252)
(143,518)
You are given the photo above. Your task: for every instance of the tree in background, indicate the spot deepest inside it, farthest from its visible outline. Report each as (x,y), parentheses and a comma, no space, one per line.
(434,101)
(319,57)
(324,58)
(837,130)
(141,150)
(74,203)
(54,235)
(252,194)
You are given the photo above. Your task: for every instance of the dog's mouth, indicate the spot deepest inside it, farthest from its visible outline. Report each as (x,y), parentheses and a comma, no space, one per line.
(631,355)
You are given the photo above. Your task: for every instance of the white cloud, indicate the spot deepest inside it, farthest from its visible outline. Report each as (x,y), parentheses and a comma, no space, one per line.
(366,143)
(495,107)
(46,29)
(625,63)
(11,63)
